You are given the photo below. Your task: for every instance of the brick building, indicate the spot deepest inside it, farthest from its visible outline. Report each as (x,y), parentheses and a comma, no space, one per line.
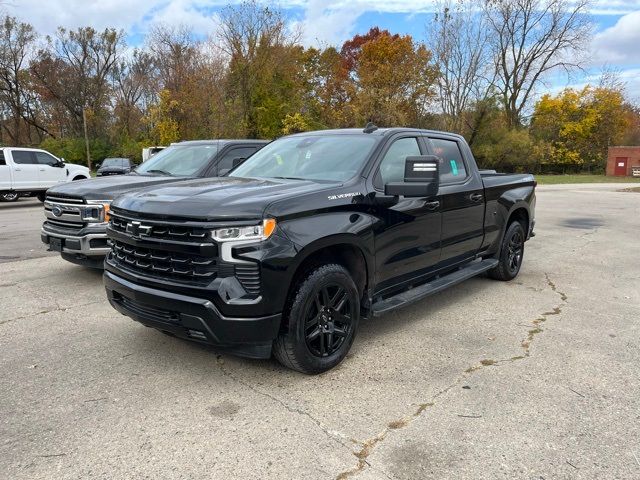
(622,160)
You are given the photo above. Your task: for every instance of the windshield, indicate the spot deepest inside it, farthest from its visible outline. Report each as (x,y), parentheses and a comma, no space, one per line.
(115,162)
(179,160)
(327,157)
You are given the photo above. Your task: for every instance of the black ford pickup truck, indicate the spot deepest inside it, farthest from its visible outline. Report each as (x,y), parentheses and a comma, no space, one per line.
(312,233)
(77,212)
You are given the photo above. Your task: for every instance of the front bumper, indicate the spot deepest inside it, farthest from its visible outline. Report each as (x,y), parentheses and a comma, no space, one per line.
(92,244)
(192,318)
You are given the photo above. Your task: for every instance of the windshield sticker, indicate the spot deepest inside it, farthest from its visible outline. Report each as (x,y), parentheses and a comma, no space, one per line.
(454,167)
(308,155)
(343,195)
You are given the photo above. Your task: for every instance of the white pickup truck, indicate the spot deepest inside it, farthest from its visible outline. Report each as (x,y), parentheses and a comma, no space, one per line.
(33,171)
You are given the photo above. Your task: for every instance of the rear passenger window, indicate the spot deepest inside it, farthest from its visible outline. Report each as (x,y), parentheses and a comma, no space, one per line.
(2,160)
(22,157)
(452,166)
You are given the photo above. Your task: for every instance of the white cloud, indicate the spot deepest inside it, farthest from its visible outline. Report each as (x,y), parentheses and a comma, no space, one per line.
(619,44)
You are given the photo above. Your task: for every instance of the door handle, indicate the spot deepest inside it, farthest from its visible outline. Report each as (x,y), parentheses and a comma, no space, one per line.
(432,205)
(18,169)
(476,197)
(42,169)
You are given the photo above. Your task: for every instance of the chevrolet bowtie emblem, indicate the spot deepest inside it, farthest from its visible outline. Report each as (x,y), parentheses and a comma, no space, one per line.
(137,230)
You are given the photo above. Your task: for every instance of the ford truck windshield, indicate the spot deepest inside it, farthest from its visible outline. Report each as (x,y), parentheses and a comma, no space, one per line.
(179,160)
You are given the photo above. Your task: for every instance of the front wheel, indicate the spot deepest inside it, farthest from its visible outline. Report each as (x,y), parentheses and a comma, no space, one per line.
(321,323)
(511,253)
(9,196)
(41,196)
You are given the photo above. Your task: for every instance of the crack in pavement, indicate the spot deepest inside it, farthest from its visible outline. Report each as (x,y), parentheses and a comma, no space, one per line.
(369,445)
(57,308)
(331,434)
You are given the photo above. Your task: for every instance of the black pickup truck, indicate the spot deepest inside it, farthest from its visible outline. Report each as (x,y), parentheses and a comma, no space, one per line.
(77,212)
(312,233)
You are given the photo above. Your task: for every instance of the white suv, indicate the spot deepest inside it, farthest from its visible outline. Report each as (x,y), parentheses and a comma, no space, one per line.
(31,170)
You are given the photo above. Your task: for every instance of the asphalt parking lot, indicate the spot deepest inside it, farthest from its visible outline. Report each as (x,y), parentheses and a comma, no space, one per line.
(536,378)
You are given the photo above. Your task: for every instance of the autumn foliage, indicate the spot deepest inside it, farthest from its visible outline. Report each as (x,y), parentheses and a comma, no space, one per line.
(251,77)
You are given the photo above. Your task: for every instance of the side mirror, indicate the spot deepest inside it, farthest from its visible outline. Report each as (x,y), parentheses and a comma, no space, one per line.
(60,163)
(421,178)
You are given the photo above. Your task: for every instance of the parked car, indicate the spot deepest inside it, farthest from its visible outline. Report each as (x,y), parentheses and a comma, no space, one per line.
(76,215)
(33,171)
(313,232)
(114,166)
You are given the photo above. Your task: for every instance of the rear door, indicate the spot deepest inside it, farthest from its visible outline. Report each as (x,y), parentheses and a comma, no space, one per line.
(49,175)
(25,170)
(462,197)
(407,239)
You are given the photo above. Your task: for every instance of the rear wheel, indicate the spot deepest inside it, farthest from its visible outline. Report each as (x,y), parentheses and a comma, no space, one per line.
(321,322)
(511,253)
(9,196)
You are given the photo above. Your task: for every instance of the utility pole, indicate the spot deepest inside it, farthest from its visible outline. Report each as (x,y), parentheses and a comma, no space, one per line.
(86,136)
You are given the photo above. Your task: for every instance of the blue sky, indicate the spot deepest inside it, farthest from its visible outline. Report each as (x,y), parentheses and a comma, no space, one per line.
(615,45)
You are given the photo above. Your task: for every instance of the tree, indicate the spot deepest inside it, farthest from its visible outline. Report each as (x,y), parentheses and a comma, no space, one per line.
(73,74)
(17,42)
(458,35)
(260,52)
(396,81)
(529,39)
(580,125)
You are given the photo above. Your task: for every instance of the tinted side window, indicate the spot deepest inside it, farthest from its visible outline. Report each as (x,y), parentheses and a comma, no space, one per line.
(22,157)
(226,161)
(392,165)
(45,158)
(2,160)
(452,166)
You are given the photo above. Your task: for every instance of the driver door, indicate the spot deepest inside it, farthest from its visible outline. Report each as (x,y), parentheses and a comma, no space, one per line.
(407,239)
(49,174)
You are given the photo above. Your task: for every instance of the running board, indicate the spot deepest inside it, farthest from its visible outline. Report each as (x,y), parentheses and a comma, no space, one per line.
(418,293)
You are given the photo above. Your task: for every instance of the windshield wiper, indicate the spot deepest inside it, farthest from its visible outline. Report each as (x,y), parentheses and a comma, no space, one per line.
(291,178)
(156,170)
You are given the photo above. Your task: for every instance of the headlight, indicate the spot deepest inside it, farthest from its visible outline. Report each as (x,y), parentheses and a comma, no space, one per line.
(95,211)
(254,232)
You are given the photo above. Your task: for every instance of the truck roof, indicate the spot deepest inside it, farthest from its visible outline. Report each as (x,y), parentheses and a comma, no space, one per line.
(380,132)
(220,142)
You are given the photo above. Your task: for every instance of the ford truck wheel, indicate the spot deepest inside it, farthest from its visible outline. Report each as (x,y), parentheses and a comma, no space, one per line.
(511,253)
(321,322)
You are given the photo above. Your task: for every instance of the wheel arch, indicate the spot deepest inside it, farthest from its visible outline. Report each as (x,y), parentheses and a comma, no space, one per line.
(344,249)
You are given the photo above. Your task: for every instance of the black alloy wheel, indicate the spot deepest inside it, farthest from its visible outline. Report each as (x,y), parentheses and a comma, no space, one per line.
(320,320)
(511,253)
(328,320)
(515,248)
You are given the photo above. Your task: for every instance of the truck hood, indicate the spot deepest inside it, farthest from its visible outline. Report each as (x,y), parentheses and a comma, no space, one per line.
(214,199)
(109,187)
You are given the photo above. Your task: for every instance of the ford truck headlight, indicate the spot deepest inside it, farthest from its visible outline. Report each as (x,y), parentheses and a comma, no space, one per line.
(255,232)
(96,211)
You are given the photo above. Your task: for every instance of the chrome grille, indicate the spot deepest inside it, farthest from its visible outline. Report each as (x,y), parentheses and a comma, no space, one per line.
(68,209)
(156,262)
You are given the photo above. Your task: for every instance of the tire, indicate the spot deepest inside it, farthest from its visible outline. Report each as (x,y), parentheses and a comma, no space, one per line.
(10,197)
(324,303)
(511,253)
(79,178)
(41,196)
